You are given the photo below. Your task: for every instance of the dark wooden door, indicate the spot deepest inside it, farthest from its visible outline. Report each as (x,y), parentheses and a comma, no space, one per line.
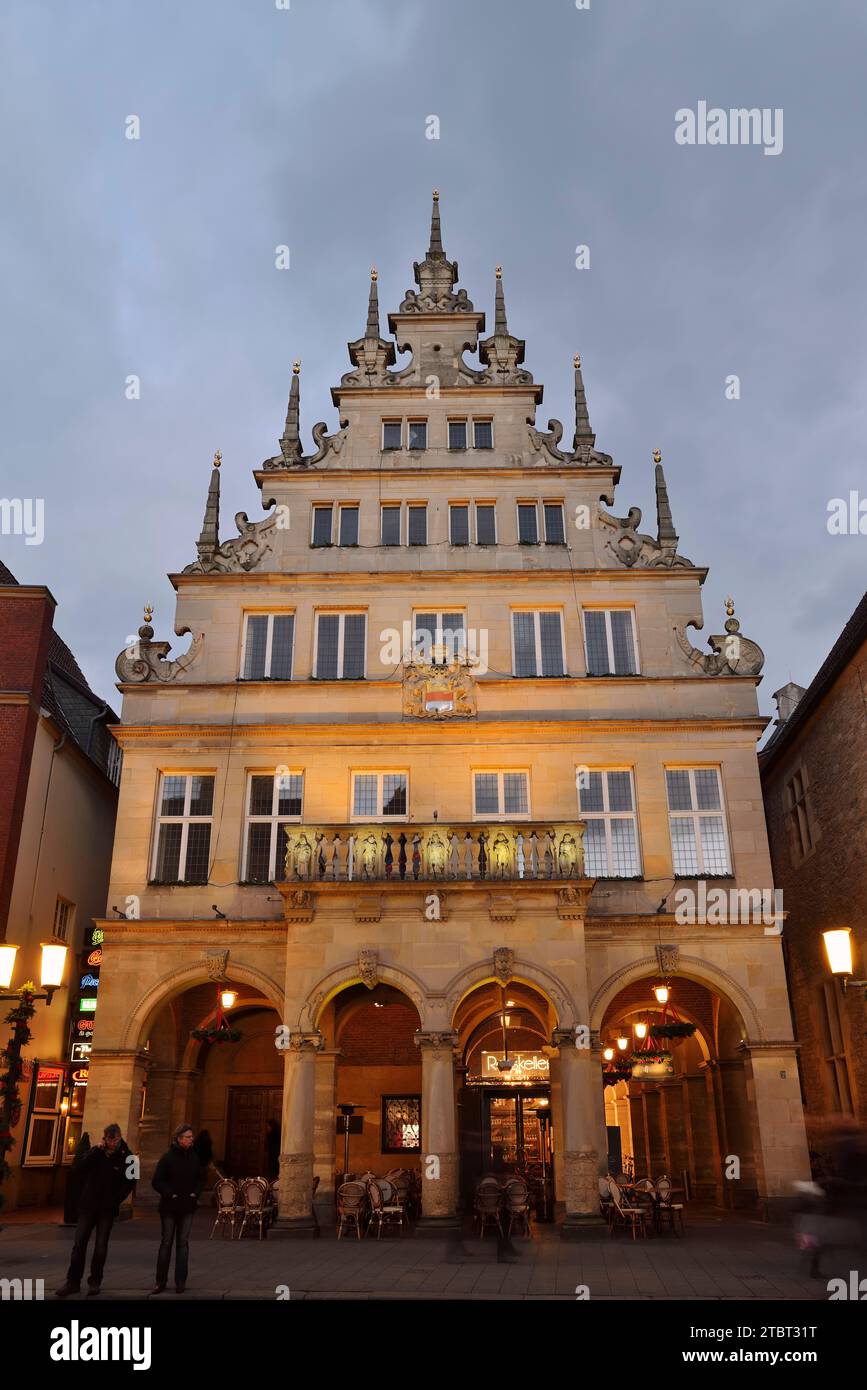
(250,1109)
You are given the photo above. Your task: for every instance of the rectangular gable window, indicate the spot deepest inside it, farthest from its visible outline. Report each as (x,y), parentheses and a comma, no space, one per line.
(340,646)
(528,524)
(268,643)
(483,434)
(609,641)
(418,434)
(486,523)
(538,644)
(457,434)
(349,526)
(417,525)
(555,529)
(459,523)
(390,517)
(183,839)
(391,434)
(322,525)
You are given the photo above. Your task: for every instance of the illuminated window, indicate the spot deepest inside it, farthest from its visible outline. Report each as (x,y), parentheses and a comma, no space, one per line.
(699,840)
(401,1124)
(607,803)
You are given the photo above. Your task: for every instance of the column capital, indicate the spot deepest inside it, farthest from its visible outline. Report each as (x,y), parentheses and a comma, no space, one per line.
(573,1038)
(306,1042)
(436,1042)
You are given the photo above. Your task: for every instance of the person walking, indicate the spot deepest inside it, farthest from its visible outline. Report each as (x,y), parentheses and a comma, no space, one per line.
(106,1179)
(178,1179)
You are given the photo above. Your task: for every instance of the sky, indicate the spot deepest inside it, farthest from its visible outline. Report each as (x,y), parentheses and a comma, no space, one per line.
(305,124)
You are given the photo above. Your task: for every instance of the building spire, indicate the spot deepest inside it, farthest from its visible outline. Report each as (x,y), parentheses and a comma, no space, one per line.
(373,306)
(290,443)
(583,430)
(665,532)
(209,539)
(436,240)
(500,324)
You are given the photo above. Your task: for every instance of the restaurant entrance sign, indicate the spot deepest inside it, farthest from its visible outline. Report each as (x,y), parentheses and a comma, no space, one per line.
(527,1066)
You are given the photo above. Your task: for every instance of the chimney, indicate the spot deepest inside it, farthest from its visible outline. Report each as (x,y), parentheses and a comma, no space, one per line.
(788,697)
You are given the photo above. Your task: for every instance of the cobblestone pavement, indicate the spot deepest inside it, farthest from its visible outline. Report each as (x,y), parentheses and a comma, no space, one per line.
(720,1257)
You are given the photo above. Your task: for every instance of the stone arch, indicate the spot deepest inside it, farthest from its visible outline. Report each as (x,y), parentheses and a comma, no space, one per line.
(344,976)
(524,971)
(692,967)
(183,977)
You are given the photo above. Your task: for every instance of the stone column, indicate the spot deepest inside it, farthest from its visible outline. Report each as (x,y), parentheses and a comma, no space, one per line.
(158,1122)
(439,1158)
(114,1092)
(295,1202)
(777,1119)
(325,1112)
(582,1101)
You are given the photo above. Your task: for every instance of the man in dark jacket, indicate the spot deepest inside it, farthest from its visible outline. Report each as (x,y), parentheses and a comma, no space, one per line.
(106,1176)
(179,1180)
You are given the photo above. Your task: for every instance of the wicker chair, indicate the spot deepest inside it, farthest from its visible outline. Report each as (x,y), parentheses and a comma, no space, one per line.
(606,1205)
(351,1207)
(666,1212)
(516,1206)
(487,1205)
(228,1206)
(384,1213)
(255,1204)
(624,1215)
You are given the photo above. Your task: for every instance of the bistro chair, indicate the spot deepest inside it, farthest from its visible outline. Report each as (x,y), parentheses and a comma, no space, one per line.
(387,1189)
(667,1212)
(626,1215)
(254,1200)
(644,1194)
(228,1207)
(606,1204)
(487,1205)
(382,1212)
(351,1207)
(516,1205)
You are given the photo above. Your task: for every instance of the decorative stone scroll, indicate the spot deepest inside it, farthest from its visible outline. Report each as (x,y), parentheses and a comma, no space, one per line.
(730,655)
(636,550)
(668,957)
(145,659)
(245,552)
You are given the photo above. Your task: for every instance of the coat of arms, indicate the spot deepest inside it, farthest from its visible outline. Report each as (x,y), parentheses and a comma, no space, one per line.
(438,690)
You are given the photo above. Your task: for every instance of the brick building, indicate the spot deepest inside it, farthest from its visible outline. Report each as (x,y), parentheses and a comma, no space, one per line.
(417,794)
(59,767)
(815,789)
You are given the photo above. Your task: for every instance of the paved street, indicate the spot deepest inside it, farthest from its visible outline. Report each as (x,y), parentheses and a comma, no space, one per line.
(720,1257)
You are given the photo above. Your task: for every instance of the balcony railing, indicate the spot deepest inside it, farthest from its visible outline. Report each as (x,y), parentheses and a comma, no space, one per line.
(437,852)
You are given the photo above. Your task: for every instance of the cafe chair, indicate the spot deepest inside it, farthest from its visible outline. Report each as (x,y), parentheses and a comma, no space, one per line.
(516,1206)
(351,1207)
(624,1215)
(228,1207)
(381,1212)
(487,1205)
(667,1213)
(254,1199)
(606,1205)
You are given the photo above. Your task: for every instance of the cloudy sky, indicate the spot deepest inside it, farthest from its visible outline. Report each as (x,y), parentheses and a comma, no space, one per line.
(305,126)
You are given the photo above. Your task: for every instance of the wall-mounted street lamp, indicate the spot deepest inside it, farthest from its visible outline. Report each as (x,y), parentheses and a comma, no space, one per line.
(838,948)
(25,999)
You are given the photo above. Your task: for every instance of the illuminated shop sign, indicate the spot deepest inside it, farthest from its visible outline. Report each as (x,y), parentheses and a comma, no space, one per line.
(84,1027)
(80,1051)
(88,982)
(527,1066)
(87,1006)
(94,959)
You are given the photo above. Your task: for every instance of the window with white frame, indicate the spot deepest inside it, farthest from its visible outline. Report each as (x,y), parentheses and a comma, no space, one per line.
(439,633)
(486,523)
(64,914)
(340,646)
(182,844)
(555,525)
(273,804)
(348,527)
(607,802)
(609,642)
(537,639)
(528,523)
(497,795)
(379,795)
(268,644)
(322,525)
(416,523)
(834,1049)
(417,434)
(457,434)
(459,523)
(392,431)
(390,524)
(699,839)
(483,434)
